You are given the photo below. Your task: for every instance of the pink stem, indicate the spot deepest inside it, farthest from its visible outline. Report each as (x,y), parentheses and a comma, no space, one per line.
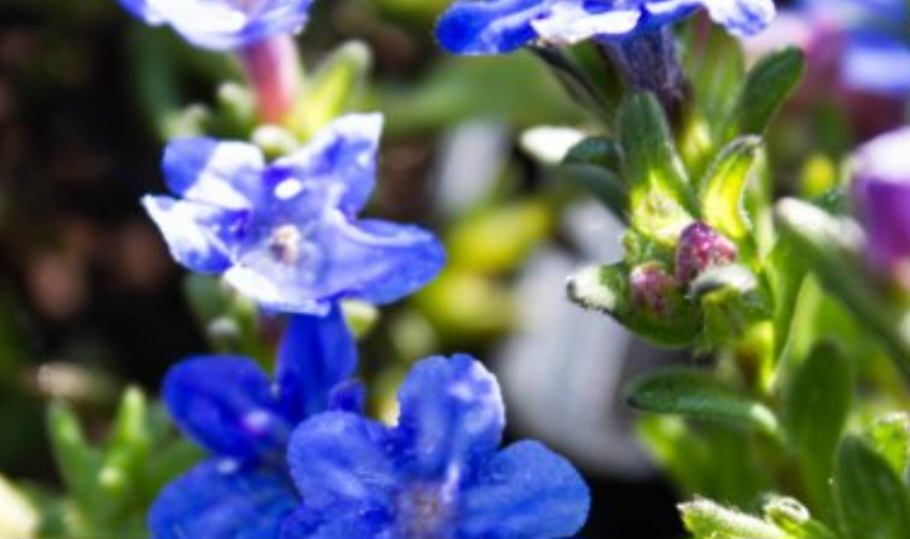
(273,68)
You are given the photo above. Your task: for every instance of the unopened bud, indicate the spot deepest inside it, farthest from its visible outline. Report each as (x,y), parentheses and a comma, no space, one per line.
(701,247)
(653,289)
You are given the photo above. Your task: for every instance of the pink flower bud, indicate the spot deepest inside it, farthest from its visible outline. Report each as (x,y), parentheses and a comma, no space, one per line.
(701,247)
(653,289)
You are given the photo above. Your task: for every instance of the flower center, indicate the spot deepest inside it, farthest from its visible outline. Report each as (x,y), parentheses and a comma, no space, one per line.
(285,244)
(424,512)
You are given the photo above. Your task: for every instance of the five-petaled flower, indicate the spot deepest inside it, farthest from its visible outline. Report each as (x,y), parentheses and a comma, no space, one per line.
(437,474)
(285,233)
(881,186)
(230,406)
(223,24)
(499,26)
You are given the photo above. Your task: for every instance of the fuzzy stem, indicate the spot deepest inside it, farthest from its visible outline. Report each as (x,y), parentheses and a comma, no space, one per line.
(273,69)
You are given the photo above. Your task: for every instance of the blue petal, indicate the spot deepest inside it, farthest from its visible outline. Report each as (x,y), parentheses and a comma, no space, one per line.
(488,26)
(224,174)
(339,524)
(315,354)
(218,500)
(227,404)
(338,461)
(375,261)
(349,396)
(141,10)
(525,492)
(451,418)
(343,152)
(198,235)
(877,63)
(742,18)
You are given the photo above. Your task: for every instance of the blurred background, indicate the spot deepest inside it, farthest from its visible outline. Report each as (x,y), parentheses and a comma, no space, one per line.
(90,301)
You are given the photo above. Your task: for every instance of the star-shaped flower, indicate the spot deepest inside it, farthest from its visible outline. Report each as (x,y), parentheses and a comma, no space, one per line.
(230,406)
(286,233)
(437,474)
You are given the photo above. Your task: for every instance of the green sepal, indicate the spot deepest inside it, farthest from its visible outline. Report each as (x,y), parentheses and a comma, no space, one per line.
(699,395)
(872,501)
(603,152)
(606,289)
(721,191)
(816,404)
(660,198)
(332,90)
(765,89)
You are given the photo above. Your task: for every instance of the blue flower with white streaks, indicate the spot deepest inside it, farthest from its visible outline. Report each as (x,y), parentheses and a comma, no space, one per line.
(223,24)
(286,233)
(437,474)
(244,419)
(499,26)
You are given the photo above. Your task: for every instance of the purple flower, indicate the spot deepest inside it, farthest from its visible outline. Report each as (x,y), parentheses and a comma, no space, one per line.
(882,194)
(286,233)
(223,24)
(230,406)
(499,26)
(437,474)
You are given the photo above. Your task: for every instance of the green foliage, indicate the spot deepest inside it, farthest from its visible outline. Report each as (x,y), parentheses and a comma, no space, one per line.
(816,404)
(110,486)
(872,501)
(765,89)
(660,201)
(699,395)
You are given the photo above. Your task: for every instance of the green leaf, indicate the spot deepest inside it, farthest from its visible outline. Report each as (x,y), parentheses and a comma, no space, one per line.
(872,502)
(660,198)
(765,89)
(722,189)
(79,463)
(816,404)
(890,435)
(786,273)
(128,448)
(831,248)
(333,89)
(600,151)
(601,182)
(709,520)
(606,289)
(698,395)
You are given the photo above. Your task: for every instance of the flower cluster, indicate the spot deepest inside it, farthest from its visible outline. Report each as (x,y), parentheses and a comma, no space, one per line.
(285,233)
(500,26)
(437,474)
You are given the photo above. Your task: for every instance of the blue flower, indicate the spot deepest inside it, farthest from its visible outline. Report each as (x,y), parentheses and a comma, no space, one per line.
(438,474)
(285,233)
(875,39)
(499,26)
(231,407)
(223,24)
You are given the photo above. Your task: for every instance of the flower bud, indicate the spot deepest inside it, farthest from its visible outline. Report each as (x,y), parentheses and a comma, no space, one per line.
(653,290)
(701,247)
(881,189)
